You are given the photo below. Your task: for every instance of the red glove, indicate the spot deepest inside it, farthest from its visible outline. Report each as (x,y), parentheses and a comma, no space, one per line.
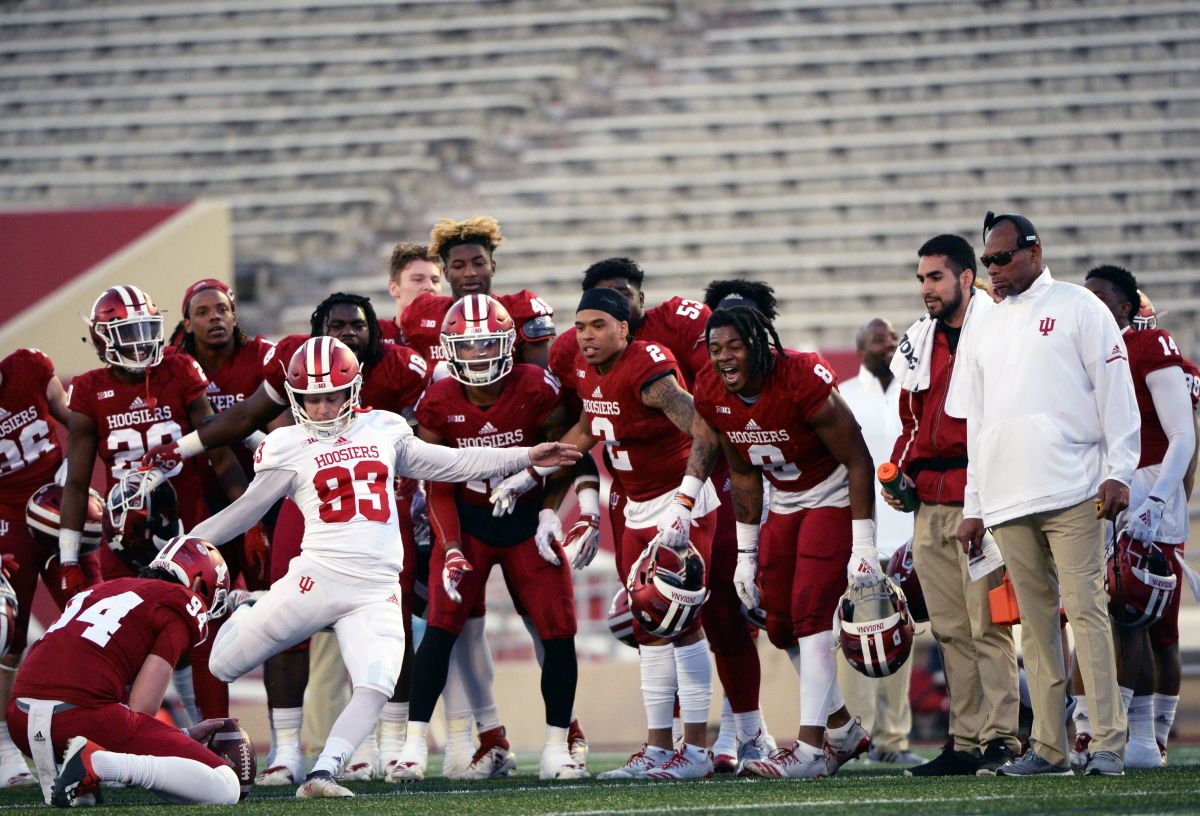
(164,457)
(455,568)
(9,565)
(256,549)
(73,579)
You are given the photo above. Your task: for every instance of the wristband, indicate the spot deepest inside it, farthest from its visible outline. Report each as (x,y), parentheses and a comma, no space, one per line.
(747,537)
(589,501)
(254,440)
(862,532)
(68,546)
(189,445)
(544,470)
(691,487)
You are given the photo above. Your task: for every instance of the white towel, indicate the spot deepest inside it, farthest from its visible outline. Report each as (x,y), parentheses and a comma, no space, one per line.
(911,362)
(958,393)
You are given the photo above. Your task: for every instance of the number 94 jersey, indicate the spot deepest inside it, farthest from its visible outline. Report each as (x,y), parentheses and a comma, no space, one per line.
(773,434)
(343,487)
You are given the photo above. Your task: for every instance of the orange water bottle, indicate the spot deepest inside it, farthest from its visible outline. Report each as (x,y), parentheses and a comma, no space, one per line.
(893,482)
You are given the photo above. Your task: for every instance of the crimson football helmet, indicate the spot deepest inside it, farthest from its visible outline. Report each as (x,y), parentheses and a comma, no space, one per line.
(873,628)
(1139,581)
(141,514)
(1145,317)
(126,328)
(44,510)
(200,567)
(667,590)
(8,615)
(620,618)
(323,365)
(901,570)
(478,336)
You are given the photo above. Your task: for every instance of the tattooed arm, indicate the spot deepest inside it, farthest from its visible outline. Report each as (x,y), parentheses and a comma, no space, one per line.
(746,484)
(668,396)
(706,442)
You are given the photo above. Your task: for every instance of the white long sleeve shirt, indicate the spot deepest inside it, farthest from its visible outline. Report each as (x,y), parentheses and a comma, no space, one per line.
(1051,411)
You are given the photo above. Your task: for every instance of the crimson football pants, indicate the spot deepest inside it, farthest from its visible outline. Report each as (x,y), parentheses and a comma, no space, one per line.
(634,541)
(115,728)
(1165,632)
(802,571)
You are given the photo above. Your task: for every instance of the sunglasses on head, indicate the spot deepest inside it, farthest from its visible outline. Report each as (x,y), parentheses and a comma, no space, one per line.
(999,258)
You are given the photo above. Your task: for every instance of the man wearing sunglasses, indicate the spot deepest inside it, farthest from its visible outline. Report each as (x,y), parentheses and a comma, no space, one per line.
(1052,444)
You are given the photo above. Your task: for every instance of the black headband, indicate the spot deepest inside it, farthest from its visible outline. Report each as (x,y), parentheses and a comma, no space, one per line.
(604,299)
(735,301)
(1026,235)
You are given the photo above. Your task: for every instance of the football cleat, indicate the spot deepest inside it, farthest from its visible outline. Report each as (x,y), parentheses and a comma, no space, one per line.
(76,777)
(905,757)
(801,761)
(492,759)
(1162,751)
(557,763)
(279,775)
(577,744)
(410,765)
(639,762)
(723,763)
(760,746)
(1079,752)
(359,772)
(321,785)
(689,762)
(848,747)
(15,774)
(460,748)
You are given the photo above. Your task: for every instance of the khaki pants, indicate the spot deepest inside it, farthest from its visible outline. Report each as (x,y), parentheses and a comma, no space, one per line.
(980,659)
(1045,553)
(880,702)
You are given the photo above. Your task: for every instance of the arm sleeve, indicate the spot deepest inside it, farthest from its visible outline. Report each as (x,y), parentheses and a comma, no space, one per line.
(420,460)
(1107,362)
(267,487)
(443,513)
(1168,389)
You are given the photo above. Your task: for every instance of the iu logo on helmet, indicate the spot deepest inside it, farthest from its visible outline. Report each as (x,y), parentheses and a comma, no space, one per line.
(1046,325)
(306,583)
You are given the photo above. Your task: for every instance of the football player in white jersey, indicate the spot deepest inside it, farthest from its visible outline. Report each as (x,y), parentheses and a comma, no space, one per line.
(338,464)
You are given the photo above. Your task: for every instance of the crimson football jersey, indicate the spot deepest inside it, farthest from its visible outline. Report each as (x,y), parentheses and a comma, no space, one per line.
(647,451)
(393,384)
(773,433)
(29,448)
(1150,350)
(528,395)
(389,332)
(422,321)
(1192,375)
(105,634)
(128,423)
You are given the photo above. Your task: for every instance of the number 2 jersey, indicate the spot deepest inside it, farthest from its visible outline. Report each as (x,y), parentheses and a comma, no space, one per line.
(773,433)
(29,449)
(98,645)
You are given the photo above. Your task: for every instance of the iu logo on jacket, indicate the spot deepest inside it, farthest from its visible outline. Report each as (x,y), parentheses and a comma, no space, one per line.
(1046,325)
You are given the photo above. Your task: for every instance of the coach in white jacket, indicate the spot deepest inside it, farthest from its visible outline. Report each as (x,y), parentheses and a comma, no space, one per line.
(1052,442)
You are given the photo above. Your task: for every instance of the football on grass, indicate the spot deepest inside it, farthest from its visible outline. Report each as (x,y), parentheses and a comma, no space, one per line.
(232,744)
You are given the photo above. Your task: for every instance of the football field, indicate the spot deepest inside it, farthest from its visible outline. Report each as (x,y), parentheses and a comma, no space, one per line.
(864,789)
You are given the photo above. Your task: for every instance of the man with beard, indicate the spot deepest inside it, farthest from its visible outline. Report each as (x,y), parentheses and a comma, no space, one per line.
(931,453)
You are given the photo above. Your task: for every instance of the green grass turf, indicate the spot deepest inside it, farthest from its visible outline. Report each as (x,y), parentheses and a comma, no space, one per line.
(861,789)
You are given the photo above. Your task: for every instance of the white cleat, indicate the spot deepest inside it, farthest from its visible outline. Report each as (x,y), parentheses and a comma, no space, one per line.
(493,759)
(15,774)
(801,761)
(409,766)
(1081,753)
(689,762)
(359,772)
(577,744)
(1142,754)
(280,775)
(557,763)
(639,763)
(321,785)
(848,747)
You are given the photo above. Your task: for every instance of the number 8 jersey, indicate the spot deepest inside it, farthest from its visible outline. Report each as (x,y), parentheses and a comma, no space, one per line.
(773,433)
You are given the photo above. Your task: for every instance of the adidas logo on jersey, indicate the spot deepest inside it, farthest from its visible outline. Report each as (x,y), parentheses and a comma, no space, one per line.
(5,413)
(596,394)
(487,428)
(137,403)
(341,440)
(752,426)
(212,388)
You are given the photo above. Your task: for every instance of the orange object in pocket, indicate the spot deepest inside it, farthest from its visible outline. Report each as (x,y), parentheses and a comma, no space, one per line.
(1003,601)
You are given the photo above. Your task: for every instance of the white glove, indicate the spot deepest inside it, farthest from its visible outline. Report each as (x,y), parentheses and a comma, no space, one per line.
(60,475)
(504,495)
(583,539)
(675,523)
(455,568)
(419,512)
(549,532)
(1143,523)
(863,569)
(744,575)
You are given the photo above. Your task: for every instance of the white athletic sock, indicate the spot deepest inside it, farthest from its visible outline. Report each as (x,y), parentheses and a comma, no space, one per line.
(181,681)
(726,742)
(676,729)
(1126,697)
(839,733)
(357,720)
(1083,725)
(474,659)
(367,752)
(748,724)
(285,735)
(556,737)
(179,780)
(657,665)
(393,725)
(813,659)
(693,672)
(1141,718)
(1164,716)
(10,752)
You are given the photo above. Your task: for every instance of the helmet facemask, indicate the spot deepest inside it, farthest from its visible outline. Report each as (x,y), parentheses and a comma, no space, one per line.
(134,343)
(479,358)
(325,428)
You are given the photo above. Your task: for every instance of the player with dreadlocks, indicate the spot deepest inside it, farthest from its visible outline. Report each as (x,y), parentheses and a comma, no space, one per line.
(394,377)
(776,413)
